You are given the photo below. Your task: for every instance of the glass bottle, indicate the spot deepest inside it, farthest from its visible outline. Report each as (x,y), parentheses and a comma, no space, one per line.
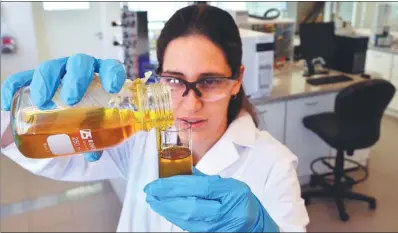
(99,121)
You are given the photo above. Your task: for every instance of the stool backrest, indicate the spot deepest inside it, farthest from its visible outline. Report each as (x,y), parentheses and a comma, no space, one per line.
(359,109)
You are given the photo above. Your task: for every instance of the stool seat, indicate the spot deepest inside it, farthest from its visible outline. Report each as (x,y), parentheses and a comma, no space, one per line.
(325,126)
(349,136)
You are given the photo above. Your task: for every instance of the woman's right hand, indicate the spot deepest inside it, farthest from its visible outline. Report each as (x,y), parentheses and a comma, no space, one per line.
(75,73)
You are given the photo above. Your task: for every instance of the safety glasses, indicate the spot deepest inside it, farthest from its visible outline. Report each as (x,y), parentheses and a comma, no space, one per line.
(208,89)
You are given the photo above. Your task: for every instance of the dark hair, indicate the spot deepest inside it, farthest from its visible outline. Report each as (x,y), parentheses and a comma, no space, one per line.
(219,27)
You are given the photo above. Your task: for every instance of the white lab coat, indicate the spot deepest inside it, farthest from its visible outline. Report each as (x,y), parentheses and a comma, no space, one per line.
(243,153)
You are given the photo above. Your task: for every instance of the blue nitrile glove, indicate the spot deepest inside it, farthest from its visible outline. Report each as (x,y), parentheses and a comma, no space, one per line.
(201,203)
(75,73)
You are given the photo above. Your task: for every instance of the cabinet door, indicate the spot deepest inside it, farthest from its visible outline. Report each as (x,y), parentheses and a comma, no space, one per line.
(378,64)
(394,80)
(272,119)
(304,143)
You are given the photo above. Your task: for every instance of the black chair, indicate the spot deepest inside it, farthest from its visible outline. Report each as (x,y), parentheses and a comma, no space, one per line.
(354,124)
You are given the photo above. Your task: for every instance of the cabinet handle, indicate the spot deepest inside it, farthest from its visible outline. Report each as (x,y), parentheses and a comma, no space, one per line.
(312,103)
(264,111)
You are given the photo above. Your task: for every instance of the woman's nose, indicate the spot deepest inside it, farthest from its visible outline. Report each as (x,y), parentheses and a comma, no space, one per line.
(191,102)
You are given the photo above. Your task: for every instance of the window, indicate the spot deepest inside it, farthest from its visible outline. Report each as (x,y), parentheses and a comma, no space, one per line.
(157,11)
(253,8)
(394,17)
(259,8)
(230,5)
(346,11)
(60,6)
(158,14)
(369,13)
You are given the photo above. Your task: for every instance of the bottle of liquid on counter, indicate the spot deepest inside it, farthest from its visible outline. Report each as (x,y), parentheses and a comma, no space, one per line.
(99,121)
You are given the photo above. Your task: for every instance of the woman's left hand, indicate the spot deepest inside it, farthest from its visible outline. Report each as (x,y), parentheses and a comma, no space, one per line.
(201,203)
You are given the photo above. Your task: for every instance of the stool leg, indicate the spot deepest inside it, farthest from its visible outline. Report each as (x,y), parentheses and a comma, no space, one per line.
(340,207)
(338,191)
(361,197)
(320,193)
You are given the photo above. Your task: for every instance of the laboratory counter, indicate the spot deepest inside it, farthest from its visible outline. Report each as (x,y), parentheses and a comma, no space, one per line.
(289,84)
(392,50)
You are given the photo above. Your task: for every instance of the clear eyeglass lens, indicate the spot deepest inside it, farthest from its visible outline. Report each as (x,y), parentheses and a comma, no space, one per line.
(212,89)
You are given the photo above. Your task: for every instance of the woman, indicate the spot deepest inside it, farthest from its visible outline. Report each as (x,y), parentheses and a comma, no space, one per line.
(244,180)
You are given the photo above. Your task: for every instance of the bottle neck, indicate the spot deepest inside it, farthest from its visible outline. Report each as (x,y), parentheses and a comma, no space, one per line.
(159,105)
(151,103)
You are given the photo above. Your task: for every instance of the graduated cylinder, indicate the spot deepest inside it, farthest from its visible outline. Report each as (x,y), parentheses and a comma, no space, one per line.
(99,121)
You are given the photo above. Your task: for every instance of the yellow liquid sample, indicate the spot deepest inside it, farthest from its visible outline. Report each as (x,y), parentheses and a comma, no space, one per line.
(175,161)
(87,129)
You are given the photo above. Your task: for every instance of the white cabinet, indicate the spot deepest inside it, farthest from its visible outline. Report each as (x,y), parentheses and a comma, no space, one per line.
(384,65)
(272,119)
(395,61)
(394,80)
(378,64)
(304,143)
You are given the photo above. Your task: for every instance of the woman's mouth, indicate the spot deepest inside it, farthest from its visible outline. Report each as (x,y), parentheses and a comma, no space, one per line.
(194,122)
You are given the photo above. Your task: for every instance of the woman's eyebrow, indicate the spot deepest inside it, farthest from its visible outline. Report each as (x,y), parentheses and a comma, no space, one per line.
(212,74)
(174,73)
(202,75)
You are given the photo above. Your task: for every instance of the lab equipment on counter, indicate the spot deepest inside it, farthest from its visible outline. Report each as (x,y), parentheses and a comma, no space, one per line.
(283,31)
(328,80)
(350,53)
(100,120)
(339,51)
(258,58)
(317,40)
(381,36)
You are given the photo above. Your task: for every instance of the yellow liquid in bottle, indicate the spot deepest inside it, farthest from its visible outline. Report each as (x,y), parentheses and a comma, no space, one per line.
(175,161)
(82,129)
(66,131)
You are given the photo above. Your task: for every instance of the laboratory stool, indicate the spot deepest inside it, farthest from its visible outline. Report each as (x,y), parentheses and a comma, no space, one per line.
(354,124)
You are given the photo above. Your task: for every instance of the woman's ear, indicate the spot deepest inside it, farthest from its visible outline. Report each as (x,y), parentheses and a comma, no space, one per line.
(241,72)
(237,86)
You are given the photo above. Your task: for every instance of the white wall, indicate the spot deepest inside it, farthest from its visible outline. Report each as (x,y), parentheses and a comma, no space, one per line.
(110,11)
(65,32)
(16,17)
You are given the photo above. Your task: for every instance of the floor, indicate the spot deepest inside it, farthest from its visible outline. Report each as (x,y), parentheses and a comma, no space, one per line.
(30,203)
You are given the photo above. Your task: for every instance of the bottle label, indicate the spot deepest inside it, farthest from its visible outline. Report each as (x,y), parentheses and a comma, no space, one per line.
(61,144)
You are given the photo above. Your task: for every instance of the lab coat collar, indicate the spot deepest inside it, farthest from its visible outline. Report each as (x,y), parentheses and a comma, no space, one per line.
(240,133)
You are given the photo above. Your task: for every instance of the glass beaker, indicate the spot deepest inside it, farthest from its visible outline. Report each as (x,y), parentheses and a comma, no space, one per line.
(175,150)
